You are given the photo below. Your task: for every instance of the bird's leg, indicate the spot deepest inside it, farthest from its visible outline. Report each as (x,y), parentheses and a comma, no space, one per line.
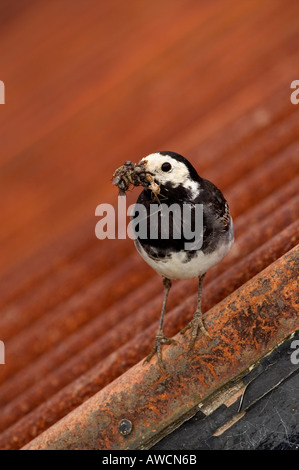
(160,338)
(197,322)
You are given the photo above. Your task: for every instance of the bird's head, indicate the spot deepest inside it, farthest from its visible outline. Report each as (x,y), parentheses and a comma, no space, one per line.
(170,171)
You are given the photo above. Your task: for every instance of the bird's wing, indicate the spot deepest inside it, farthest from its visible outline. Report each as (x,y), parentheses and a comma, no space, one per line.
(214,202)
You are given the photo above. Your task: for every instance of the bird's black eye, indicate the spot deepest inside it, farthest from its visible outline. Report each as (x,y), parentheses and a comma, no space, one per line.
(166,166)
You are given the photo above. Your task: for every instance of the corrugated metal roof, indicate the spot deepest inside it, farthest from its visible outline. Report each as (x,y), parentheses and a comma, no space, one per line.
(78,314)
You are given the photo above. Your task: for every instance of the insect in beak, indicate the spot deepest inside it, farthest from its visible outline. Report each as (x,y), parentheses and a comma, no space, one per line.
(131,174)
(128,175)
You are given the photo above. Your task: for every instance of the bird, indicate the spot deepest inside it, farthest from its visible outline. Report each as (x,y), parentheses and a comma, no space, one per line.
(175,181)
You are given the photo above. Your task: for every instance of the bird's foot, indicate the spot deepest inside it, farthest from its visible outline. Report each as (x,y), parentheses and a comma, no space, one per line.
(196,325)
(157,349)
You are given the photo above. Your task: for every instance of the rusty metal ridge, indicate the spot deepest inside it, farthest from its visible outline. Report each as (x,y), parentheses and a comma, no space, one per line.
(130,353)
(244,327)
(245,193)
(68,317)
(214,292)
(61,252)
(244,245)
(55,258)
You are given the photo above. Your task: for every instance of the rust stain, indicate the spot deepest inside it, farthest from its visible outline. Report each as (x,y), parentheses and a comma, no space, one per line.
(77,315)
(137,394)
(136,347)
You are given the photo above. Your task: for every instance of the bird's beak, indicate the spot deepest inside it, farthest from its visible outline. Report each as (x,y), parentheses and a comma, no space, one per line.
(144,165)
(131,174)
(141,167)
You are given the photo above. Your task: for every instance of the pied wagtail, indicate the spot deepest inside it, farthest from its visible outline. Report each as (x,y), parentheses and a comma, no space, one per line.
(169,178)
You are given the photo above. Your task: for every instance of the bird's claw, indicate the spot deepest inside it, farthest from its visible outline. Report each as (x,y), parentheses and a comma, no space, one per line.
(196,325)
(157,349)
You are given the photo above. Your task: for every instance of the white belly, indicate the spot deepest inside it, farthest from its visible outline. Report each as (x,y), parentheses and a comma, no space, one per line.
(178,266)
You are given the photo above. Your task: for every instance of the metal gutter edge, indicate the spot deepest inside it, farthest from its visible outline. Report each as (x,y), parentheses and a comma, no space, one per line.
(245,326)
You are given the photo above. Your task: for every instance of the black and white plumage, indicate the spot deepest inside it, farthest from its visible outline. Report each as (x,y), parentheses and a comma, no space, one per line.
(179,183)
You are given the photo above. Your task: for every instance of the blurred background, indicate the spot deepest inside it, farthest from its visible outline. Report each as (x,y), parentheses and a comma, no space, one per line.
(89,85)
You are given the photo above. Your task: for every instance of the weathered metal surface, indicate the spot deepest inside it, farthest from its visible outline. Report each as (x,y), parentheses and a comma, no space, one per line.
(250,239)
(60,288)
(253,237)
(257,411)
(84,306)
(244,327)
(73,314)
(132,349)
(72,248)
(71,276)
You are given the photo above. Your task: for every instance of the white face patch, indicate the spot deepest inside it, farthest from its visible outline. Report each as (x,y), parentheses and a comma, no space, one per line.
(178,174)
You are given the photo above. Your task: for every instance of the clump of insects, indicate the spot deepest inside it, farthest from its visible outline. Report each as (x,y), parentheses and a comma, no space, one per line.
(132,174)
